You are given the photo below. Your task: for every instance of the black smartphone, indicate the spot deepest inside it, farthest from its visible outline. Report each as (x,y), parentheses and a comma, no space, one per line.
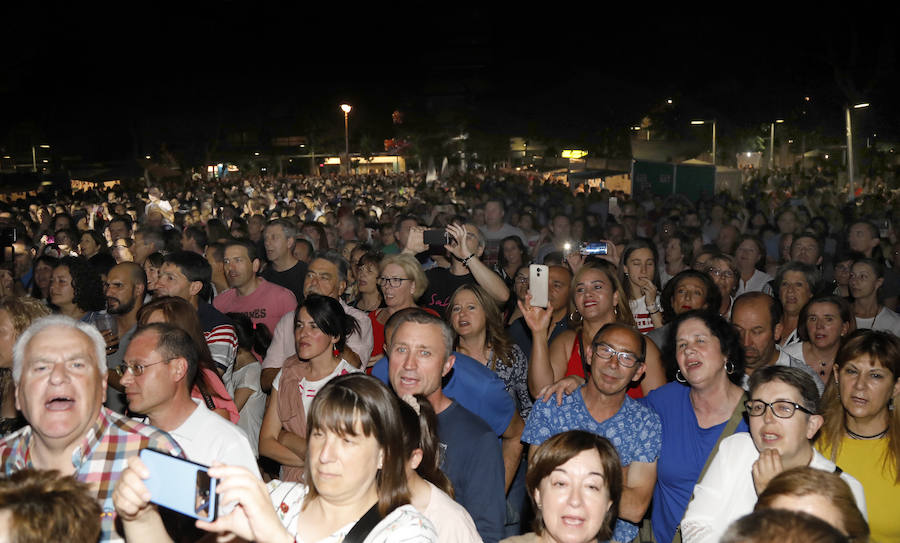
(437,236)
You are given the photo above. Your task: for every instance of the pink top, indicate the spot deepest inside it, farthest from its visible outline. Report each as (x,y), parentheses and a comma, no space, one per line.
(214,382)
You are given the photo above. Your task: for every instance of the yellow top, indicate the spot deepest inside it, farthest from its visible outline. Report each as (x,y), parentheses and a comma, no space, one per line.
(863,459)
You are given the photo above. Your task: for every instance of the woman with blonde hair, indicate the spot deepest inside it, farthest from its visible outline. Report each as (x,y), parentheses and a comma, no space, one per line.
(861,433)
(402,282)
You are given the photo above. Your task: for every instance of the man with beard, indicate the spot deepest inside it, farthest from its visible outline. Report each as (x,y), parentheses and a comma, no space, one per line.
(125,286)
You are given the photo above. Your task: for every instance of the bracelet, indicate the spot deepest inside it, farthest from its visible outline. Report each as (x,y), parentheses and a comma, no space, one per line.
(651,309)
(465,261)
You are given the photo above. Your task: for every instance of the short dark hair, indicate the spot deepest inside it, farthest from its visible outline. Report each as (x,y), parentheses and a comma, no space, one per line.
(330,317)
(174,342)
(124,219)
(153,236)
(86,283)
(844,310)
(795,377)
(336,258)
(713,297)
(565,446)
(642,356)
(192,265)
(198,234)
(246,244)
(812,275)
(729,342)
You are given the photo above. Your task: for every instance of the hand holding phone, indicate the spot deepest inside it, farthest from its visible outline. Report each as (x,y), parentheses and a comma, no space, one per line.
(180,485)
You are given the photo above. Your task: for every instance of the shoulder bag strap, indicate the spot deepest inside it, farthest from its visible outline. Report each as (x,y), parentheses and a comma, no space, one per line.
(585,367)
(729,429)
(363,526)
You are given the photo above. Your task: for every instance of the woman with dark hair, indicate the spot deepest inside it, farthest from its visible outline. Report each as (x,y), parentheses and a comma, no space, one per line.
(242,378)
(76,290)
(356,473)
(706,357)
(431,492)
(724,272)
(823,323)
(208,386)
(573,475)
(513,254)
(862,423)
(152,265)
(320,333)
(369,296)
(866,278)
(640,277)
(819,493)
(91,244)
(43,271)
(688,290)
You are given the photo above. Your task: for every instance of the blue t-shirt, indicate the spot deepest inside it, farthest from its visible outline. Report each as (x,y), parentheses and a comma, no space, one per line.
(473,462)
(474,386)
(685,447)
(634,430)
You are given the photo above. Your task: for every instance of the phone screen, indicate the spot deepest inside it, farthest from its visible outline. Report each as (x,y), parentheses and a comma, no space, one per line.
(180,485)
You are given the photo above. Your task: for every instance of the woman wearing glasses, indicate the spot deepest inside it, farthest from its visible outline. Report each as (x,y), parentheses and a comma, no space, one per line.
(862,423)
(402,282)
(724,272)
(784,416)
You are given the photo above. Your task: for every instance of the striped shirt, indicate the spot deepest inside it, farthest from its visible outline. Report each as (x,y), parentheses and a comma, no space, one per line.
(100,458)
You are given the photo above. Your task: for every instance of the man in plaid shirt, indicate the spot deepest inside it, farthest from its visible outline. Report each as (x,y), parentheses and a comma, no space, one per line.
(59,366)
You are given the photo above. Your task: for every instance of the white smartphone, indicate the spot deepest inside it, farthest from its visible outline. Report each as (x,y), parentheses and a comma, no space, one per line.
(180,485)
(538,284)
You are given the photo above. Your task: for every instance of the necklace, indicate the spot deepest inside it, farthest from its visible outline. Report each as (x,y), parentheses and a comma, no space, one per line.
(854,435)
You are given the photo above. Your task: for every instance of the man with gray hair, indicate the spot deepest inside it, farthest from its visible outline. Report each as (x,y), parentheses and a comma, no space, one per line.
(283,268)
(59,365)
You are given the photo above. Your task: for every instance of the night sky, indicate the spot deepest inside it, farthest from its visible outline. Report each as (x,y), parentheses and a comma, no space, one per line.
(87,76)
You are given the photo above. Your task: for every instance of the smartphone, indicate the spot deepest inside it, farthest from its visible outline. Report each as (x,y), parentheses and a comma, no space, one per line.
(597,248)
(538,284)
(437,236)
(181,485)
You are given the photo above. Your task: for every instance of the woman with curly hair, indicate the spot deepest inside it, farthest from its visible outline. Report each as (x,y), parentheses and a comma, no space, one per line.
(16,314)
(75,289)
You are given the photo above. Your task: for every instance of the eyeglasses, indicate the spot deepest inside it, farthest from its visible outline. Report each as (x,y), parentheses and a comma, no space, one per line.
(138,369)
(782,409)
(727,274)
(605,352)
(394,282)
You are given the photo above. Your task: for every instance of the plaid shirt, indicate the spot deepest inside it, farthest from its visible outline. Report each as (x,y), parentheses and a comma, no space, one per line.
(100,458)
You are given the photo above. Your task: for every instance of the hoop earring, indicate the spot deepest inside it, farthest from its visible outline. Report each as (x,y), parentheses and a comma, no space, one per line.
(572,316)
(727,370)
(680,378)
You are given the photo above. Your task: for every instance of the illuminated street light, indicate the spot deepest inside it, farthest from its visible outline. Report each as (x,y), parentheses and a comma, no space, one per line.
(851,196)
(45,146)
(346,109)
(256,153)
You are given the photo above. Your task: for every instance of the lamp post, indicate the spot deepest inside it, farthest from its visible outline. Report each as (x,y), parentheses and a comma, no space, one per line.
(346,109)
(851,195)
(772,143)
(713,122)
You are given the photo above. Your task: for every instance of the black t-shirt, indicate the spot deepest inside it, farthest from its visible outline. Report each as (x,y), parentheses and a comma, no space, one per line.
(441,286)
(291,279)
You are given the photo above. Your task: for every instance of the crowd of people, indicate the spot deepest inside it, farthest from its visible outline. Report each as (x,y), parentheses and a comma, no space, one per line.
(358,358)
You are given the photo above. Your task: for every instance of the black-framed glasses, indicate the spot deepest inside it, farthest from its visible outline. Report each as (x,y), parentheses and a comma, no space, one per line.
(138,369)
(393,282)
(604,351)
(727,274)
(783,409)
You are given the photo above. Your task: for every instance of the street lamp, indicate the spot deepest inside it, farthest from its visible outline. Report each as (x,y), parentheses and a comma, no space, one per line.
(772,143)
(851,196)
(346,109)
(713,122)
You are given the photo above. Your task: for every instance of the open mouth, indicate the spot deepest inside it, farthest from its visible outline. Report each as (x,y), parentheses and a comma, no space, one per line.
(572,521)
(59,403)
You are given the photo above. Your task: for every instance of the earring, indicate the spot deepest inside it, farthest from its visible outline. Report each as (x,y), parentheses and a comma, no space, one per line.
(680,378)
(891,404)
(727,370)
(335,351)
(572,316)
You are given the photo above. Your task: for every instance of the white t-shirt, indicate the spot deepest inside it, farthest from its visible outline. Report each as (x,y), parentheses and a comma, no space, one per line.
(309,389)
(255,407)
(641,314)
(885,321)
(206,437)
(727,492)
